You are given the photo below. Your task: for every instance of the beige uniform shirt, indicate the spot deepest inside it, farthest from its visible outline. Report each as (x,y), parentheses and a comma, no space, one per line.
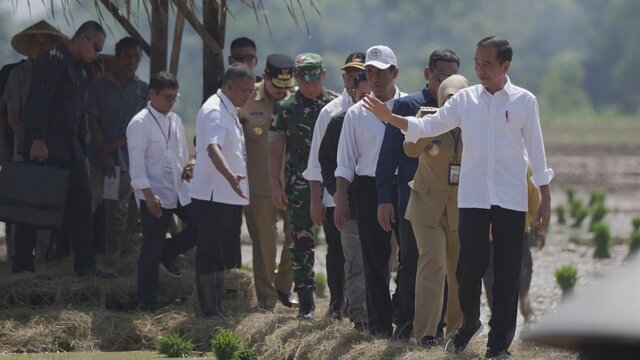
(255,117)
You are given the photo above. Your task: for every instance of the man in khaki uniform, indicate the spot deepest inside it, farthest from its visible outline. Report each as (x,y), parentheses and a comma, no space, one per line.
(433,212)
(261,214)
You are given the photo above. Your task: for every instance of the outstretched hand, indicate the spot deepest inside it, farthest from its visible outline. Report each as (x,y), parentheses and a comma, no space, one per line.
(377,108)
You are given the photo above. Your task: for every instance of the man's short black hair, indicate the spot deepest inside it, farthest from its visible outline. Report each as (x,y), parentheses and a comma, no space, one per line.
(360,77)
(90,29)
(444,55)
(242,42)
(163,80)
(235,72)
(502,46)
(126,43)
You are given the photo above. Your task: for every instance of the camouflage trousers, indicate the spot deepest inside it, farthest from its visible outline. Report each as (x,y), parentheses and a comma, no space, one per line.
(302,253)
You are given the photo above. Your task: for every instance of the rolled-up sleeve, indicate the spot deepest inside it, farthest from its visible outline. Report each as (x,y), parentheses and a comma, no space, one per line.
(137,138)
(213,128)
(541,175)
(347,148)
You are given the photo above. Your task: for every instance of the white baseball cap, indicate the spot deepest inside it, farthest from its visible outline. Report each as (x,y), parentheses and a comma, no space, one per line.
(381,57)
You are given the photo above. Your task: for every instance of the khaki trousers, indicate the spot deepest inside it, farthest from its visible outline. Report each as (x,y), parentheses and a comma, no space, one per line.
(354,273)
(260,216)
(438,250)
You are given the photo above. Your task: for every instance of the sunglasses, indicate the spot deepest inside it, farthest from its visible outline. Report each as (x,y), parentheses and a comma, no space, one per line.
(243,58)
(96,47)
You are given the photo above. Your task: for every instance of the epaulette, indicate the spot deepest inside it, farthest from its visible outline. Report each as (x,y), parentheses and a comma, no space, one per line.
(426,110)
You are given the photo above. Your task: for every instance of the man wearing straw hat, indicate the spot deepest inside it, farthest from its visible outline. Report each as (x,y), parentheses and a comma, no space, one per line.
(30,42)
(53,133)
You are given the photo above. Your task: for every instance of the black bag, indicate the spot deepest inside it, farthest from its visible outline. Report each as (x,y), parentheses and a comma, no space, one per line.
(33,194)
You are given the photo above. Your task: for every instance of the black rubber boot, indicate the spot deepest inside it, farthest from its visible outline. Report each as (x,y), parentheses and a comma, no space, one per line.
(220,293)
(207,295)
(307,307)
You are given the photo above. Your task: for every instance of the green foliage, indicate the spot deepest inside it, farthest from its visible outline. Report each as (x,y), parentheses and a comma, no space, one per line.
(581,214)
(596,197)
(321,284)
(562,85)
(560,214)
(598,213)
(228,346)
(566,277)
(635,222)
(174,345)
(575,205)
(575,239)
(601,240)
(246,267)
(634,242)
(571,194)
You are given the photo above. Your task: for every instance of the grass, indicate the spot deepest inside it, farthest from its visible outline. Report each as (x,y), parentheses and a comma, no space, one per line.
(566,278)
(174,345)
(601,240)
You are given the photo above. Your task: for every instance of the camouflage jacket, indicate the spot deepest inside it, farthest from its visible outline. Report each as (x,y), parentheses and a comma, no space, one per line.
(292,123)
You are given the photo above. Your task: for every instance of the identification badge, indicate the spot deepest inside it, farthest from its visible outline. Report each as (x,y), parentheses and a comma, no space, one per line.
(257,131)
(454,173)
(166,164)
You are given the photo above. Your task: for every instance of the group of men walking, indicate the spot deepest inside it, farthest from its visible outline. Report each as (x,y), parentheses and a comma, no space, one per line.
(281,145)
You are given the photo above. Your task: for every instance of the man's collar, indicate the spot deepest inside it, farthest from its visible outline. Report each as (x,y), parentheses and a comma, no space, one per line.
(227,102)
(155,112)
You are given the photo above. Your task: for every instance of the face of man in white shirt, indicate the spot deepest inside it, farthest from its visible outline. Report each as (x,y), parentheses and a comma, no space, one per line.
(491,73)
(239,91)
(164,99)
(382,82)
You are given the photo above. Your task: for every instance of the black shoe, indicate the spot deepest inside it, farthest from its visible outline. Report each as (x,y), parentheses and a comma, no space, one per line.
(287,300)
(97,272)
(403,331)
(495,353)
(461,338)
(360,326)
(307,307)
(429,342)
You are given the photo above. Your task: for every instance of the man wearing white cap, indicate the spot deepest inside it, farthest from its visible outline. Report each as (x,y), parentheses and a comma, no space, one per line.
(358,151)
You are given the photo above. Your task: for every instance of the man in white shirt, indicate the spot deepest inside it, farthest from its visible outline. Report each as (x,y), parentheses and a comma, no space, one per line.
(322,204)
(219,187)
(501,134)
(157,156)
(358,151)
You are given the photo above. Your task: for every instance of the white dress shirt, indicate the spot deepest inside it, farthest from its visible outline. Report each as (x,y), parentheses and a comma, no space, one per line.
(498,131)
(337,106)
(217,123)
(360,140)
(157,154)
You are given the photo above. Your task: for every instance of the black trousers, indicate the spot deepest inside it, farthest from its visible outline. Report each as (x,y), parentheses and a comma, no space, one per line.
(507,228)
(156,248)
(408,264)
(217,225)
(376,250)
(76,221)
(335,261)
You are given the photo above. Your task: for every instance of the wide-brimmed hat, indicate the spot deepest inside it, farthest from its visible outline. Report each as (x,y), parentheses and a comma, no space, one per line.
(25,40)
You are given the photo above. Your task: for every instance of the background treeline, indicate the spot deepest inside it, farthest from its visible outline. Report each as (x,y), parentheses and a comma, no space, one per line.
(579,57)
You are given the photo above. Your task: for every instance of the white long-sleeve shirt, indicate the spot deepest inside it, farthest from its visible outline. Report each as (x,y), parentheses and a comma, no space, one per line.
(360,140)
(157,155)
(500,133)
(313,172)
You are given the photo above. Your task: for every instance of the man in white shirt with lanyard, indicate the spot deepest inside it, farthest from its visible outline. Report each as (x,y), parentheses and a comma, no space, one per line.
(157,156)
(358,150)
(501,133)
(322,204)
(219,187)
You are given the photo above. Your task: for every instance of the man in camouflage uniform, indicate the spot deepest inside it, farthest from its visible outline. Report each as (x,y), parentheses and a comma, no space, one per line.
(291,130)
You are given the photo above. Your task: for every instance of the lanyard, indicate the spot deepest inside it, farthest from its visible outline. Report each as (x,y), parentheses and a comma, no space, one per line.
(235,118)
(456,138)
(166,138)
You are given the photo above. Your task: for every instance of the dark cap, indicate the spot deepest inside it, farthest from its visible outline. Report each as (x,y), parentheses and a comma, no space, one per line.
(354,60)
(280,70)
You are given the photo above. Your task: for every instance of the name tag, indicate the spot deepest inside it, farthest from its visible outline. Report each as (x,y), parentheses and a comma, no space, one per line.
(454,173)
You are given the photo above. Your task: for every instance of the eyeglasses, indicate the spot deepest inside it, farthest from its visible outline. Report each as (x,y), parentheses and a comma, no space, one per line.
(243,58)
(169,97)
(96,47)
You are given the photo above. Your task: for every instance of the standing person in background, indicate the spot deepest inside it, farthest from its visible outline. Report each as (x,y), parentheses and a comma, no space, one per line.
(500,129)
(113,100)
(291,131)
(54,133)
(322,204)
(358,150)
(391,161)
(433,212)
(261,214)
(158,154)
(243,51)
(353,268)
(219,186)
